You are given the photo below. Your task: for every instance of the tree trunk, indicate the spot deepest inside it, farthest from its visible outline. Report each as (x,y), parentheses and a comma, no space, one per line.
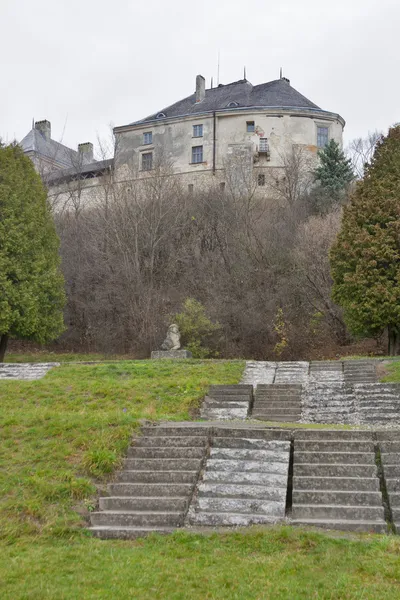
(3,346)
(394,340)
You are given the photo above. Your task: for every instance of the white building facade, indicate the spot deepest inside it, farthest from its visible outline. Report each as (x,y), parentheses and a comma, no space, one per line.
(201,135)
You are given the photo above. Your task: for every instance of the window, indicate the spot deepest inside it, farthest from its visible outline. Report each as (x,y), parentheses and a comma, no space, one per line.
(250,126)
(147,161)
(161,115)
(263,145)
(148,137)
(322,136)
(190,188)
(233,104)
(261,180)
(197,130)
(197,154)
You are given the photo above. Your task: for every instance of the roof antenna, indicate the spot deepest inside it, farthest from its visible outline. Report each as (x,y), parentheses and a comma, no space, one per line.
(212,81)
(219,53)
(280,76)
(244,73)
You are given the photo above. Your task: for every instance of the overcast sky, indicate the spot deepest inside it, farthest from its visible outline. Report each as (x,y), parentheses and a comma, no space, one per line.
(87,64)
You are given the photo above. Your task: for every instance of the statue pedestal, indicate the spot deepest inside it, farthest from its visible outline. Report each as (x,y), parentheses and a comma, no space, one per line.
(171,354)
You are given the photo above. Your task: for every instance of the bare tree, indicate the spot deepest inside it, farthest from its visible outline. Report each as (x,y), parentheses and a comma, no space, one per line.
(360,151)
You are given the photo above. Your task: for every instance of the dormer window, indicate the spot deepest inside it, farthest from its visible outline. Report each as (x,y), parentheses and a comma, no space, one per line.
(161,115)
(148,137)
(233,104)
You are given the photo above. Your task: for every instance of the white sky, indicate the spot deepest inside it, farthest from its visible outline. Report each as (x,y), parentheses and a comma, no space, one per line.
(87,64)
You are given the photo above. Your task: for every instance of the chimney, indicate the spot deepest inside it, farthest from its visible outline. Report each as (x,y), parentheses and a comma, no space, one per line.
(200,88)
(86,151)
(45,128)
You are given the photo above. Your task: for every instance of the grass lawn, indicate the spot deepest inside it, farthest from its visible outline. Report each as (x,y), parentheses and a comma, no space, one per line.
(393,371)
(46,356)
(279,563)
(63,435)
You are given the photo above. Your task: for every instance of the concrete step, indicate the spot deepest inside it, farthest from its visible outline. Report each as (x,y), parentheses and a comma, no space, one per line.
(211,403)
(252,466)
(215,519)
(391,471)
(344,525)
(246,478)
(388,436)
(396,514)
(390,447)
(127,533)
(394,498)
(166,452)
(252,433)
(338,458)
(337,512)
(390,458)
(278,404)
(163,490)
(281,410)
(136,519)
(162,464)
(224,413)
(277,418)
(392,485)
(240,389)
(244,454)
(175,431)
(334,446)
(250,443)
(142,503)
(168,441)
(231,490)
(358,484)
(332,470)
(242,506)
(329,434)
(141,477)
(294,387)
(333,497)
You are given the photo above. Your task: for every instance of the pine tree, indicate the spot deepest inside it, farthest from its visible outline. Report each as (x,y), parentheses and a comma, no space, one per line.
(31,284)
(334,172)
(365,259)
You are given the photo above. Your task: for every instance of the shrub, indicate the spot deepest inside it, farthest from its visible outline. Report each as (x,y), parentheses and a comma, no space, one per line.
(198,332)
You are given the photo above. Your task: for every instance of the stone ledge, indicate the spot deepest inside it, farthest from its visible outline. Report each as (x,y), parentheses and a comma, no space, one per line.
(157,354)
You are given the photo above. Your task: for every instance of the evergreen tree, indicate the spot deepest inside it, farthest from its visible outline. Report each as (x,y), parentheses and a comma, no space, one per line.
(365,259)
(31,284)
(334,173)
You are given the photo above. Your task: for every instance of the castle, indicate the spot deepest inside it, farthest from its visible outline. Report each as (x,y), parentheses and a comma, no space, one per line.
(201,138)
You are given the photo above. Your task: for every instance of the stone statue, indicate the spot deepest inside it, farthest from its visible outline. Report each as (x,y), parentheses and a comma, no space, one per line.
(173,339)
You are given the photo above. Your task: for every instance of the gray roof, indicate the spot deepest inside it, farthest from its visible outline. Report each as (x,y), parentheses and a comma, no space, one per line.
(275,94)
(87,171)
(36,142)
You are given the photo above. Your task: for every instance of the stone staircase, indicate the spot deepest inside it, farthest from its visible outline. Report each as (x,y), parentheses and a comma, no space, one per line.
(227,402)
(153,491)
(328,403)
(292,372)
(378,403)
(335,481)
(359,371)
(245,479)
(328,371)
(389,445)
(278,402)
(257,371)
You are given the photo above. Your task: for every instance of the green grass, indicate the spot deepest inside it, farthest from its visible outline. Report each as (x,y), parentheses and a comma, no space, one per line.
(393,372)
(60,433)
(46,356)
(278,563)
